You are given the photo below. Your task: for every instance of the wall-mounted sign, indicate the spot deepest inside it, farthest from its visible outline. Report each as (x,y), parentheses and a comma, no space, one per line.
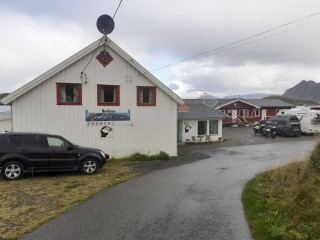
(184,108)
(107,116)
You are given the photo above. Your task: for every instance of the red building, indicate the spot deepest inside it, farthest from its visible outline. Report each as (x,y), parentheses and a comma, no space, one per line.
(244,111)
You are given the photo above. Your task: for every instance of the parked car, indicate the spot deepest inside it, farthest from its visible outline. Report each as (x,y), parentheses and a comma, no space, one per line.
(286,125)
(37,152)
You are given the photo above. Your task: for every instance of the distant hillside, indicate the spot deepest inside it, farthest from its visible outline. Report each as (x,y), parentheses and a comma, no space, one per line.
(248,96)
(305,90)
(294,102)
(208,97)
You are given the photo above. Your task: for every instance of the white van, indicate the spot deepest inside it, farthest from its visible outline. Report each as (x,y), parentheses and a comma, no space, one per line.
(309,119)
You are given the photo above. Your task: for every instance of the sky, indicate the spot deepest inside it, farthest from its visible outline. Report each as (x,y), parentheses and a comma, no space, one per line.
(36,35)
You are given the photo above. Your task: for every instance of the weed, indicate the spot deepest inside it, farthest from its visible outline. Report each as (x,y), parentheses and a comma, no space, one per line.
(315,158)
(139,157)
(284,203)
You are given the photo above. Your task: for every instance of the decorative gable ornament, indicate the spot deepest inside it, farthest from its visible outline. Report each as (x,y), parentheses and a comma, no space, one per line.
(104,58)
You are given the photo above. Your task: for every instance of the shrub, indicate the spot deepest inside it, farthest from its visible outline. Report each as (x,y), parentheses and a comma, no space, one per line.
(138,157)
(315,158)
(161,156)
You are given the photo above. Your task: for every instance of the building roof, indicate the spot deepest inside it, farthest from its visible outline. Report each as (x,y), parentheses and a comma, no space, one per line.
(199,111)
(2,95)
(257,103)
(275,103)
(89,49)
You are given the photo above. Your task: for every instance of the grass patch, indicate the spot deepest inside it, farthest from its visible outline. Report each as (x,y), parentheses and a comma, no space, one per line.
(31,201)
(284,203)
(138,157)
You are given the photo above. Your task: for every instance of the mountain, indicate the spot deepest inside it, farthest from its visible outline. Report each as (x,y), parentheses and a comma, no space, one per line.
(305,90)
(5,108)
(249,96)
(208,97)
(294,102)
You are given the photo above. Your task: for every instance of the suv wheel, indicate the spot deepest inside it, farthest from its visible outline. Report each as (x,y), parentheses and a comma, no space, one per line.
(89,166)
(12,170)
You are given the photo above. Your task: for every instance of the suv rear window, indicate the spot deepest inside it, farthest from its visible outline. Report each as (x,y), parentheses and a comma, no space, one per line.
(30,141)
(294,123)
(24,140)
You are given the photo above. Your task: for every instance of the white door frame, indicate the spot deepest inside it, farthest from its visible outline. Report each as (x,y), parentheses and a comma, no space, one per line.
(263,114)
(234,114)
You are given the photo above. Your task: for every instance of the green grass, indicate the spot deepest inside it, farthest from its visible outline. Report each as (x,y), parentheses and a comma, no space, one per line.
(31,201)
(284,203)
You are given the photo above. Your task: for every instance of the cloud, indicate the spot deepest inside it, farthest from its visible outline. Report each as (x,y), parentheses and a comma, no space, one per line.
(173,86)
(32,45)
(244,79)
(157,33)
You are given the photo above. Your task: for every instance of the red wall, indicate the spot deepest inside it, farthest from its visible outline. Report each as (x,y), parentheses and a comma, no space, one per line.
(251,119)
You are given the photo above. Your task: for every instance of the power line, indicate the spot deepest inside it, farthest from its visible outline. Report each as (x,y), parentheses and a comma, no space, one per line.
(117,9)
(82,74)
(211,52)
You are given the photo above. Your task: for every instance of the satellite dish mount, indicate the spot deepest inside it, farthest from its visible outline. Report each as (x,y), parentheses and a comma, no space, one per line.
(105,25)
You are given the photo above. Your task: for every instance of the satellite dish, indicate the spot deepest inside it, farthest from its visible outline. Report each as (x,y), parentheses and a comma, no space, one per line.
(105,24)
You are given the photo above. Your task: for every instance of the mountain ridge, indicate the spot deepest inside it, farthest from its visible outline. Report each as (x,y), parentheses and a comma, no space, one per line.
(304,90)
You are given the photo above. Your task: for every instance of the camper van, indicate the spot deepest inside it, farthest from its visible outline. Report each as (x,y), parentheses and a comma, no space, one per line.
(309,119)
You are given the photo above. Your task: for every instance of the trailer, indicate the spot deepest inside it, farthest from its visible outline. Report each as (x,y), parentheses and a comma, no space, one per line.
(309,119)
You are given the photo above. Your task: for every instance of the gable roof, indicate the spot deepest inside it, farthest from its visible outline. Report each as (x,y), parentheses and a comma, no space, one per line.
(2,95)
(257,103)
(43,77)
(200,111)
(271,103)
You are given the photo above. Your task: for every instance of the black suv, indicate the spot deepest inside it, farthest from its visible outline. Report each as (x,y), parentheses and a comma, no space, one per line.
(37,152)
(286,125)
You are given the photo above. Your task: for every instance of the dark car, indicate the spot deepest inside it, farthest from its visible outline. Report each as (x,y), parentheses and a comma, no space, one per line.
(38,152)
(286,125)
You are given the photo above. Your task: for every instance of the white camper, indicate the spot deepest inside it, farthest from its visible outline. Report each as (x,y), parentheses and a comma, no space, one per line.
(309,119)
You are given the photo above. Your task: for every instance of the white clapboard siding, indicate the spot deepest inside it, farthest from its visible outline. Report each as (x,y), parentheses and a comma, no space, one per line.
(5,125)
(151,129)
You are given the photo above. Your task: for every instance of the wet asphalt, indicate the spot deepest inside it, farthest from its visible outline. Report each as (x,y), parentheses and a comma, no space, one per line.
(199,200)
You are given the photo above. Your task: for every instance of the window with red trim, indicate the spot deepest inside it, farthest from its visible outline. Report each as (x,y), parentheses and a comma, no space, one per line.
(146,96)
(69,94)
(108,95)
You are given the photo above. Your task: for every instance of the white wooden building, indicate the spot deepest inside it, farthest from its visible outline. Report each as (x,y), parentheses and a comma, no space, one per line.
(117,105)
(198,122)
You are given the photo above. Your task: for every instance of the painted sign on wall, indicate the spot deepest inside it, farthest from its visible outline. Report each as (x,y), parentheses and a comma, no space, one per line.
(107,116)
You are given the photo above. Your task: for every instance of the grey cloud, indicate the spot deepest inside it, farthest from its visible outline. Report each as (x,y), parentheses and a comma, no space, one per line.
(173,86)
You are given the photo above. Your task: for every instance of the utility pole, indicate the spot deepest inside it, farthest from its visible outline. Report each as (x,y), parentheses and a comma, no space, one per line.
(204,94)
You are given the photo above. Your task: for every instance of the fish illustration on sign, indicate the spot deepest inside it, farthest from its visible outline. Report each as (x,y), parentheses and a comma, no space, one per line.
(105,131)
(107,116)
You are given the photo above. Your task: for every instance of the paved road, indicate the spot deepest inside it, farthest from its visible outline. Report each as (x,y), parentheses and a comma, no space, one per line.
(200,200)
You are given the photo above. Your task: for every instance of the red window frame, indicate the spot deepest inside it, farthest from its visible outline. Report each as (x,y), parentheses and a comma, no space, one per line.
(154,96)
(58,87)
(117,98)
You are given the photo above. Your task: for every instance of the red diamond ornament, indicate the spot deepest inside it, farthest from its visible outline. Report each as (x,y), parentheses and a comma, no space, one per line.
(104,58)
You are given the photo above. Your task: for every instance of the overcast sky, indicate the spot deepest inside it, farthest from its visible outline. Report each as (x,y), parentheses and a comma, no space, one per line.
(36,35)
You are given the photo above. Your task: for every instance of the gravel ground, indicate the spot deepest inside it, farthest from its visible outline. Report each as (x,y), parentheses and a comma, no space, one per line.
(231,137)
